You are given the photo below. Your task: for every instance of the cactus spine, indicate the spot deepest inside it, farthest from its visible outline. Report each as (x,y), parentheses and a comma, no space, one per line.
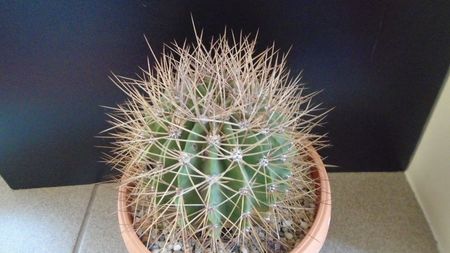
(212,143)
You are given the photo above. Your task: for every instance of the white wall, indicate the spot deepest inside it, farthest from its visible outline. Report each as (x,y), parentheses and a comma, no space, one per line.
(429,170)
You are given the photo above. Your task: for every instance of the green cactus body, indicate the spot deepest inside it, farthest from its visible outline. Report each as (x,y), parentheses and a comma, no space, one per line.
(223,168)
(213,145)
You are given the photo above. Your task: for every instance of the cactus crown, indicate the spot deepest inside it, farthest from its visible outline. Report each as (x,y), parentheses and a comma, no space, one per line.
(212,143)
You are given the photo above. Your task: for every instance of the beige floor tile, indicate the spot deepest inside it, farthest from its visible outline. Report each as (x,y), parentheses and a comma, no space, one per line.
(376,213)
(101,231)
(41,220)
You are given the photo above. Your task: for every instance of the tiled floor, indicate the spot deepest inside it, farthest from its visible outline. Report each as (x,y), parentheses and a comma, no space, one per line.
(41,220)
(372,212)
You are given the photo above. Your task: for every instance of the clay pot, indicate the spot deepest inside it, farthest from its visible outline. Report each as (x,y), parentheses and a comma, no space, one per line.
(312,243)
(315,238)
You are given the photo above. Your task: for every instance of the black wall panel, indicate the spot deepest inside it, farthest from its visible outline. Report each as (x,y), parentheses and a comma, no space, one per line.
(379,64)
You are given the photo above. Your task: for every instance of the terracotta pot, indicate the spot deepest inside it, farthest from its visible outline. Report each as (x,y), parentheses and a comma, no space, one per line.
(314,239)
(312,243)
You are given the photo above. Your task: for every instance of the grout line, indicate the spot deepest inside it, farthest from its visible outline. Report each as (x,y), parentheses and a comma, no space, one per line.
(87,214)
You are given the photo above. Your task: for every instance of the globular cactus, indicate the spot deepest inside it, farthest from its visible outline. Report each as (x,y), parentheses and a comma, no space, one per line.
(213,145)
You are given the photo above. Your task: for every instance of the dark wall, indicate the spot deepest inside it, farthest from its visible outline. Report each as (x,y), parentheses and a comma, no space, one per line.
(380,65)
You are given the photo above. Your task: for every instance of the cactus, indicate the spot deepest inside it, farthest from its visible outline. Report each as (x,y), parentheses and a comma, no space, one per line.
(213,144)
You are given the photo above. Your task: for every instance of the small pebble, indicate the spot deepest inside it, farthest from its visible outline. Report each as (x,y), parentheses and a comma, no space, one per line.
(289,236)
(177,247)
(287,223)
(235,249)
(277,247)
(304,225)
(154,246)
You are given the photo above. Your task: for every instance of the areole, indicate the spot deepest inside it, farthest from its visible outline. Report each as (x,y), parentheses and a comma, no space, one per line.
(312,243)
